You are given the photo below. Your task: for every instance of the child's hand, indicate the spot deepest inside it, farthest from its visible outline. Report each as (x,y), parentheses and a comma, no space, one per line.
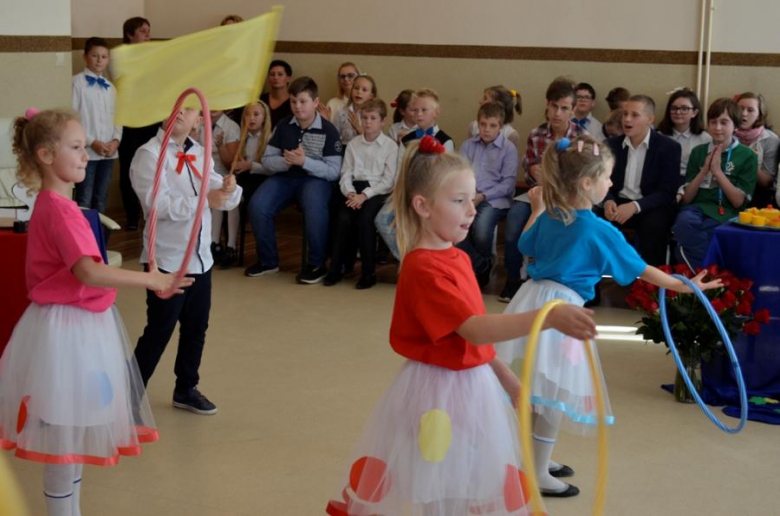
(714,160)
(355,121)
(401,135)
(160,282)
(242,166)
(219,139)
(323,110)
(229,183)
(610,210)
(479,199)
(624,212)
(507,379)
(573,321)
(356,201)
(697,280)
(99,147)
(295,157)
(537,201)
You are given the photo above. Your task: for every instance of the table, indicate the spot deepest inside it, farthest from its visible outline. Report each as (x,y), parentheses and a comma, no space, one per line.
(754,254)
(13,299)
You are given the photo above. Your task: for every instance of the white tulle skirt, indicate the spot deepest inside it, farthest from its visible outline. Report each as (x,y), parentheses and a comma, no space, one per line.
(440,443)
(70,391)
(562,379)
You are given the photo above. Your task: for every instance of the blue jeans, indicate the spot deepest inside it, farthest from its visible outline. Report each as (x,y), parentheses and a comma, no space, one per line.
(384,226)
(693,231)
(278,192)
(93,191)
(479,242)
(516,220)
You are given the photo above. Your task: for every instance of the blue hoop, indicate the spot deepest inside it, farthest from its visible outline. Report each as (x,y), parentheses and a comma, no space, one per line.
(729,347)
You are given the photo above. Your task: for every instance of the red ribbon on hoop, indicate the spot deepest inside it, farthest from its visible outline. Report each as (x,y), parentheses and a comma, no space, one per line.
(204,185)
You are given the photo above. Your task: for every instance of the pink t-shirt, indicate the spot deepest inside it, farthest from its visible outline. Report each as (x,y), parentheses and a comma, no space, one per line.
(59,236)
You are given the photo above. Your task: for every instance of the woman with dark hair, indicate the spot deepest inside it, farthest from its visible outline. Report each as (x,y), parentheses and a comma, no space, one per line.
(684,122)
(278,98)
(134,30)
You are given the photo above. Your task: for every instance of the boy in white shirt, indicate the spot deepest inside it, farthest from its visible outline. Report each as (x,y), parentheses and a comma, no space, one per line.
(94,99)
(367,178)
(177,203)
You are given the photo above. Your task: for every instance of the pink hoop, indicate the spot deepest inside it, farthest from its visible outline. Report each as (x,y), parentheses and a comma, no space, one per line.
(204,187)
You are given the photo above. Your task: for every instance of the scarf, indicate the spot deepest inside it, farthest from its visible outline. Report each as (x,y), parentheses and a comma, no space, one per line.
(749,136)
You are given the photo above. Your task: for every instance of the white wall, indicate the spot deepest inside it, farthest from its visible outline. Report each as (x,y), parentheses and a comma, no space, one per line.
(103,18)
(740,26)
(35,17)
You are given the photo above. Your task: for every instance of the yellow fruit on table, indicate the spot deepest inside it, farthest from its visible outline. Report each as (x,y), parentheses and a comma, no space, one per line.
(758,220)
(775,223)
(745,217)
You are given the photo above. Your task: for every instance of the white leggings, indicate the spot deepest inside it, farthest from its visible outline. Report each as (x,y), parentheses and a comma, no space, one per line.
(62,489)
(216,226)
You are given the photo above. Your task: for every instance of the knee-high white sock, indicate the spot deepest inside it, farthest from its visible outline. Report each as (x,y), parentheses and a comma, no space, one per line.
(78,471)
(233,217)
(216,225)
(545,433)
(58,489)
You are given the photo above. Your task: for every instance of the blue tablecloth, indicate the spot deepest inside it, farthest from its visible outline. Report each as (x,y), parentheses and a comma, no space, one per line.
(754,254)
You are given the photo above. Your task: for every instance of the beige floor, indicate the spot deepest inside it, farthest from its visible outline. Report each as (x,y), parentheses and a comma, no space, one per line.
(296,370)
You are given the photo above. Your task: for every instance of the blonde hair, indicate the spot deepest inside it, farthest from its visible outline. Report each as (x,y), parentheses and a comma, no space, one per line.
(426,93)
(265,132)
(564,170)
(421,174)
(42,130)
(348,64)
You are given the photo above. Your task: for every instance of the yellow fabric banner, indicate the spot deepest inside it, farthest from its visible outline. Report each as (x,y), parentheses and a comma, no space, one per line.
(11,502)
(228,64)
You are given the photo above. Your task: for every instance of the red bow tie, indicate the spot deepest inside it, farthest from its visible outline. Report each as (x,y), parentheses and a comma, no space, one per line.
(187,158)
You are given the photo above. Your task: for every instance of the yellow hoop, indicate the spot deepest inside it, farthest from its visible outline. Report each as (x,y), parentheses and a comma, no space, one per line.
(11,502)
(524,417)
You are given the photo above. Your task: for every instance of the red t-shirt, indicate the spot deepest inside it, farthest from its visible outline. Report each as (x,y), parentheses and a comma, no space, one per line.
(59,236)
(437,292)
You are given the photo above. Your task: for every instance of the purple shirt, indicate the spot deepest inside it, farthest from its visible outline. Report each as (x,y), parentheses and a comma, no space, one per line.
(495,168)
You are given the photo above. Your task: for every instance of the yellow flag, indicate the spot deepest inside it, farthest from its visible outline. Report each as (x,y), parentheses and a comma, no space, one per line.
(228,64)
(11,503)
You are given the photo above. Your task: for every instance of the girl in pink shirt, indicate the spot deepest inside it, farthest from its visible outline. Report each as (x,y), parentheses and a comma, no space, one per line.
(70,392)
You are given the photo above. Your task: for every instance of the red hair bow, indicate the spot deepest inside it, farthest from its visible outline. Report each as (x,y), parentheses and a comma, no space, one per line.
(394,104)
(430,145)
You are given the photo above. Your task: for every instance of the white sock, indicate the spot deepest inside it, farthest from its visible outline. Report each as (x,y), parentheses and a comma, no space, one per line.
(78,471)
(545,433)
(554,466)
(58,489)
(233,217)
(216,225)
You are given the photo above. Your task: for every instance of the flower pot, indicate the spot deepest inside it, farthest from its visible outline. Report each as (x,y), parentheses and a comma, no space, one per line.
(692,367)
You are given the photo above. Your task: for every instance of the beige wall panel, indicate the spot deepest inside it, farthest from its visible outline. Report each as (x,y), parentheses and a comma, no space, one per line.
(34,79)
(103,18)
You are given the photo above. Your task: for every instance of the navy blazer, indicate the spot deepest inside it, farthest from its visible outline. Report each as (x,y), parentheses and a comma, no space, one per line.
(660,174)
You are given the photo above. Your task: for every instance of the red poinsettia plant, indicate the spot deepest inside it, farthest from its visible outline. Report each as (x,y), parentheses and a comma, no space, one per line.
(694,332)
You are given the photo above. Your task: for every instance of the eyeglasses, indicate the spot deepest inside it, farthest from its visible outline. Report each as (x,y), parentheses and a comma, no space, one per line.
(584,97)
(681,109)
(347,76)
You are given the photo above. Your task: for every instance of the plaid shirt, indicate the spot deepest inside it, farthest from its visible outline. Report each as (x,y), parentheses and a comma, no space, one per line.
(538,141)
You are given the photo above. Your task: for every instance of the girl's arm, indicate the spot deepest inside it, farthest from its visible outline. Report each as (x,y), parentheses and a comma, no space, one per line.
(507,379)
(98,274)
(486,329)
(537,206)
(663,280)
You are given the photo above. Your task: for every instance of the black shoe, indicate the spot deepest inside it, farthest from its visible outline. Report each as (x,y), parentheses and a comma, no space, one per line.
(216,251)
(566,493)
(229,257)
(596,301)
(510,289)
(562,472)
(311,275)
(366,282)
(259,269)
(195,402)
(331,279)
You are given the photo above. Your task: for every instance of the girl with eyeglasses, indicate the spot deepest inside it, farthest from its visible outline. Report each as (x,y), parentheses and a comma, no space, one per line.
(684,123)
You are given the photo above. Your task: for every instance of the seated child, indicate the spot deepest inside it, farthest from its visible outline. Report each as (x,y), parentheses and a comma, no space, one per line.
(583,111)
(367,177)
(494,160)
(403,117)
(755,132)
(304,158)
(511,101)
(347,120)
(719,183)
(425,106)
